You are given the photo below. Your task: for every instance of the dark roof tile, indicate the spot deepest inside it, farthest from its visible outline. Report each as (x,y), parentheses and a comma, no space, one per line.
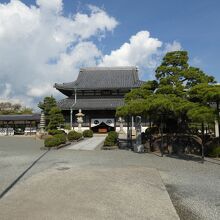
(28,117)
(104,78)
(91,104)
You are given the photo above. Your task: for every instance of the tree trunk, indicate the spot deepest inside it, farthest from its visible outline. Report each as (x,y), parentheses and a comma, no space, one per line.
(203,135)
(217,106)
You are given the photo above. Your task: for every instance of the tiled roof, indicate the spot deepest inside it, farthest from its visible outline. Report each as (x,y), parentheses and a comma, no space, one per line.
(104,78)
(91,104)
(29,117)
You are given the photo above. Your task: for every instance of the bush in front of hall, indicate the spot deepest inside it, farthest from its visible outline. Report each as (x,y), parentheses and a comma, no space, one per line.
(73,136)
(111,139)
(54,141)
(88,133)
(54,132)
(61,137)
(215,152)
(51,142)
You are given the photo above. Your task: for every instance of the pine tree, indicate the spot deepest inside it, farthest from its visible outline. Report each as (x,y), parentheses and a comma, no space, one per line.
(56,118)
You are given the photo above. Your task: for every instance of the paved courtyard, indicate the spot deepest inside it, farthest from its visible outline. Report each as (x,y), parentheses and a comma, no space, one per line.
(194,188)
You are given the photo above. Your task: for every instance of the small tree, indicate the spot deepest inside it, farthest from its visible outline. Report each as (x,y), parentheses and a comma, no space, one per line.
(48,103)
(55,118)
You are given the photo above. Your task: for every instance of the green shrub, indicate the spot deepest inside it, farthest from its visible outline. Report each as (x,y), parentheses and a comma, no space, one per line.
(51,142)
(210,145)
(111,139)
(112,136)
(54,132)
(88,133)
(108,143)
(61,137)
(215,152)
(73,135)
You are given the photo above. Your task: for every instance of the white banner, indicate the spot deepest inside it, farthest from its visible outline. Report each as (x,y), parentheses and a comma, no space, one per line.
(97,121)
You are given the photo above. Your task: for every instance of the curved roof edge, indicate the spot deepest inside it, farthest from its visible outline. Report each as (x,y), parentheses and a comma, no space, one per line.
(93,78)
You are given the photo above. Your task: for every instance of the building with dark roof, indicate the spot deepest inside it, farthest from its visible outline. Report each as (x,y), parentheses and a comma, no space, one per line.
(98,91)
(19,122)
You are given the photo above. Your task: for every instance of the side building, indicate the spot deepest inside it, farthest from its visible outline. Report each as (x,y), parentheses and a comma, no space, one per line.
(97,91)
(19,124)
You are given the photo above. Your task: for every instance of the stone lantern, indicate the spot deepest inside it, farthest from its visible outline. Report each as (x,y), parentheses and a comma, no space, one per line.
(122,134)
(42,122)
(79,118)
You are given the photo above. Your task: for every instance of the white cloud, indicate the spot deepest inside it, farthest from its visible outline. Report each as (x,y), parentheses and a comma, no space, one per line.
(40,46)
(84,24)
(40,90)
(138,51)
(66,69)
(51,5)
(175,46)
(143,51)
(6,96)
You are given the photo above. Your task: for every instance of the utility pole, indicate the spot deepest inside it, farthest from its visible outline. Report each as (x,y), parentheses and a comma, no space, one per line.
(71,110)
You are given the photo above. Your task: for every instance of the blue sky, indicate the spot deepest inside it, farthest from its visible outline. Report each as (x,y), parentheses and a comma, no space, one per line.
(192,24)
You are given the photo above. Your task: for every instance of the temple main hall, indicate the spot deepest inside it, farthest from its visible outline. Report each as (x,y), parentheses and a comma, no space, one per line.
(97,92)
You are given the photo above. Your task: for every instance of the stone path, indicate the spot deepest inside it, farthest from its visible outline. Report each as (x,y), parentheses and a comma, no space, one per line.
(89,144)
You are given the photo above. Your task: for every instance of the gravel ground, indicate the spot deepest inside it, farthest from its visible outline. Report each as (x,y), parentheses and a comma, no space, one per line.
(194,187)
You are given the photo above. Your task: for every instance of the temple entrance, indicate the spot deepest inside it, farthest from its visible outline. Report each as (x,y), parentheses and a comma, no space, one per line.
(102,125)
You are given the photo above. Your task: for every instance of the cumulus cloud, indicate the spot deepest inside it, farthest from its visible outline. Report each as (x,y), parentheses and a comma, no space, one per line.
(39,46)
(139,51)
(51,5)
(142,50)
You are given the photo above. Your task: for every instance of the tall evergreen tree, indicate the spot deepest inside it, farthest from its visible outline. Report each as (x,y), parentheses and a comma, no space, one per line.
(56,118)
(48,103)
(171,98)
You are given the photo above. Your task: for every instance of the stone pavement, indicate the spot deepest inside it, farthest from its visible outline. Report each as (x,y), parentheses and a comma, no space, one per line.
(193,187)
(71,192)
(89,144)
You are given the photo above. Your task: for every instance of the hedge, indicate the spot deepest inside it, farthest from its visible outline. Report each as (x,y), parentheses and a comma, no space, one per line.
(111,139)
(51,142)
(215,152)
(54,132)
(61,137)
(88,133)
(73,135)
